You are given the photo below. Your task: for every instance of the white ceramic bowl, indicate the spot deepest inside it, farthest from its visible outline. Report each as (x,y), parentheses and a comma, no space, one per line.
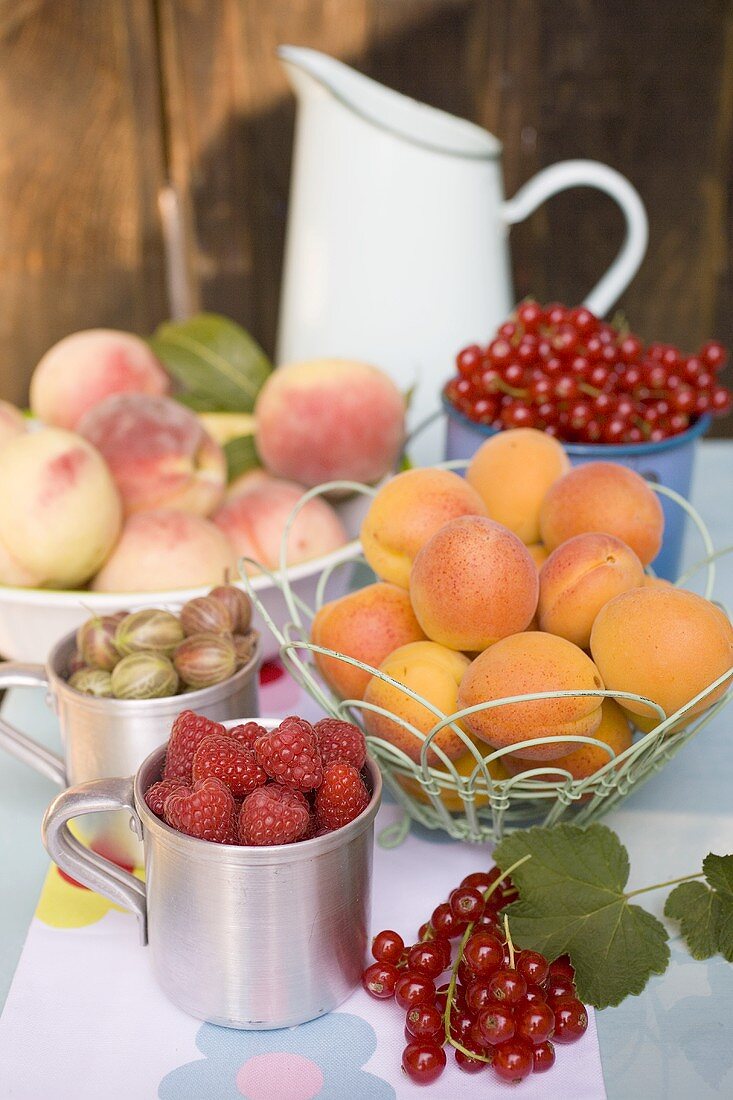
(32,620)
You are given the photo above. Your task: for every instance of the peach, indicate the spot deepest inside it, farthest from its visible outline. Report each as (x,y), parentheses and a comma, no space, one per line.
(368,625)
(82,369)
(12,422)
(158,452)
(406,512)
(525,664)
(60,512)
(473,583)
(581,576)
(254,521)
(585,760)
(512,472)
(465,766)
(329,419)
(163,549)
(433,672)
(664,643)
(603,496)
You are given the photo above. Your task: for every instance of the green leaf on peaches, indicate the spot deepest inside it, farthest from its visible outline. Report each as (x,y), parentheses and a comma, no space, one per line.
(572,900)
(241,455)
(215,361)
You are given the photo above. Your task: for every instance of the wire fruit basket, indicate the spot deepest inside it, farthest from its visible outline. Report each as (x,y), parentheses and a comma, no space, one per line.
(481,802)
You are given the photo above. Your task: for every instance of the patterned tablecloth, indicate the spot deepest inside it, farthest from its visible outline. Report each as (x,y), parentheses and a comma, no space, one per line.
(84,1019)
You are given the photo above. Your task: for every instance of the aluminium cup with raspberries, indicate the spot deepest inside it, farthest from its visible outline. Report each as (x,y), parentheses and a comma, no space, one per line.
(226,923)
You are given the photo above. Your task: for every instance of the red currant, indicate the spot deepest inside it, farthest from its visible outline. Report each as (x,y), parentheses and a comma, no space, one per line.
(468,1064)
(425,1022)
(380,980)
(535,1023)
(562,967)
(531,315)
(713,355)
(467,903)
(426,959)
(558,987)
(533,967)
(513,1060)
(423,1062)
(496,1023)
(720,400)
(571,1021)
(445,923)
(507,986)
(461,1022)
(468,360)
(544,1057)
(630,349)
(478,994)
(534,994)
(481,880)
(388,946)
(483,953)
(412,989)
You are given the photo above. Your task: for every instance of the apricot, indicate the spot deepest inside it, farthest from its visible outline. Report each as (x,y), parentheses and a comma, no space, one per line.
(538,553)
(82,369)
(406,512)
(12,422)
(60,512)
(603,496)
(255,519)
(368,625)
(433,672)
(465,766)
(664,643)
(161,550)
(158,452)
(585,760)
(512,472)
(524,664)
(472,583)
(581,576)
(329,419)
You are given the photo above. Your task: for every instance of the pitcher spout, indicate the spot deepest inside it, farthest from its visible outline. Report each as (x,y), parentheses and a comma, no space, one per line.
(311,72)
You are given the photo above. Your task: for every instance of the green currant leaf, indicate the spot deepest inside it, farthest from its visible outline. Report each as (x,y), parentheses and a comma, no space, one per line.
(718,870)
(218,365)
(706,915)
(572,899)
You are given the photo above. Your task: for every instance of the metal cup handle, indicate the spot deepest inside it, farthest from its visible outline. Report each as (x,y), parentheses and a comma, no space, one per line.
(78,861)
(19,745)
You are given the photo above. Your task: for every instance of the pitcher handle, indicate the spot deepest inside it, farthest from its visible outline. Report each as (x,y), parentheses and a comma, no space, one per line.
(78,861)
(19,745)
(590,173)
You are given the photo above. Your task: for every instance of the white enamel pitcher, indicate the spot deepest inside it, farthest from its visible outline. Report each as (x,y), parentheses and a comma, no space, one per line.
(396,249)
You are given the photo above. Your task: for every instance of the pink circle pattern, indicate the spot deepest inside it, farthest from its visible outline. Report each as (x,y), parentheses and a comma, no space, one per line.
(279,1076)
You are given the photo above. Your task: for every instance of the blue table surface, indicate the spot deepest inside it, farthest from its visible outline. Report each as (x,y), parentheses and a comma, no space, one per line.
(676,1038)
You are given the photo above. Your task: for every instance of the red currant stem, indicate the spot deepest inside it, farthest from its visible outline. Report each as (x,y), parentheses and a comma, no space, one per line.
(661,885)
(510,945)
(454,969)
(500,384)
(584,387)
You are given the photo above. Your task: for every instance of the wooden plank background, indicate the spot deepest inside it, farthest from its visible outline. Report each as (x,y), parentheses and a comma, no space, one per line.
(104,104)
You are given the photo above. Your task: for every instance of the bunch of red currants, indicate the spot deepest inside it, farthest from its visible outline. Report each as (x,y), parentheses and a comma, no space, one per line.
(570,374)
(499,1007)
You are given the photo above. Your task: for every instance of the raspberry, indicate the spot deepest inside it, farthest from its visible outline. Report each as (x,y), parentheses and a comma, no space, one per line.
(187,733)
(273,815)
(157,793)
(205,810)
(341,797)
(247,733)
(340,741)
(289,754)
(229,761)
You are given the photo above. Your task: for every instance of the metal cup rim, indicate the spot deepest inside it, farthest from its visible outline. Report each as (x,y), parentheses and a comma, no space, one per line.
(248,854)
(194,699)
